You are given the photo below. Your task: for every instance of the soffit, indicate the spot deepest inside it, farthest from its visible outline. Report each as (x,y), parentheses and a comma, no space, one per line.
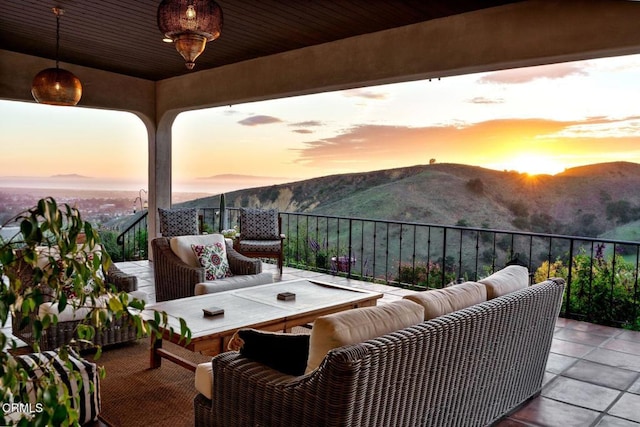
(123,37)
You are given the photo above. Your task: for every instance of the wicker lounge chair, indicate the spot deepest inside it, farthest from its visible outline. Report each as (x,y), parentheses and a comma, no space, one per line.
(63,332)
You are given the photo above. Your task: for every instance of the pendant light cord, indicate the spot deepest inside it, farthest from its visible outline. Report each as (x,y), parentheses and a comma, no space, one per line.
(57,39)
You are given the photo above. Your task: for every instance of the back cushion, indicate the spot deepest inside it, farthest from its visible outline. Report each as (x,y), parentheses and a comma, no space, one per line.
(505,281)
(358,325)
(178,222)
(181,246)
(258,224)
(439,302)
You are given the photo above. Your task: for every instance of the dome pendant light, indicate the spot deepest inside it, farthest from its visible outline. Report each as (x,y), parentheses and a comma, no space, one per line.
(56,86)
(190,24)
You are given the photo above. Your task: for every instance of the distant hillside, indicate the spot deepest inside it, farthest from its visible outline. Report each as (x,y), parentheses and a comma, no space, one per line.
(585,201)
(70,176)
(237,177)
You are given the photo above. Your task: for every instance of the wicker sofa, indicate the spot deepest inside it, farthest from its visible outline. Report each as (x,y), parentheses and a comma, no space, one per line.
(178,274)
(469,367)
(61,333)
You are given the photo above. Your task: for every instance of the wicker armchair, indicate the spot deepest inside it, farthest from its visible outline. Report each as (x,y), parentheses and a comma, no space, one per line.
(176,279)
(120,330)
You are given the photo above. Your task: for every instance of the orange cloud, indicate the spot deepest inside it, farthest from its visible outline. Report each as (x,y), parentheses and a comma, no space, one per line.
(484,100)
(528,74)
(478,143)
(363,93)
(259,120)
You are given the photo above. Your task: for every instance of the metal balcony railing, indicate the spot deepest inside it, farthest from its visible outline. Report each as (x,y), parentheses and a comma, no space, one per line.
(601,274)
(133,241)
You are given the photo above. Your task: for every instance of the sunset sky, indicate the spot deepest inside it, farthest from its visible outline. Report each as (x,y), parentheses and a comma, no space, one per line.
(539,120)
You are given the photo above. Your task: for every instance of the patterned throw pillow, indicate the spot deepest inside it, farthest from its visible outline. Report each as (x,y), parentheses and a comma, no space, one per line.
(178,222)
(214,260)
(79,375)
(258,224)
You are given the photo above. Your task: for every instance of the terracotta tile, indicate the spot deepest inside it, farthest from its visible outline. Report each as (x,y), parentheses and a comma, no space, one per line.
(593,328)
(568,348)
(615,358)
(550,413)
(596,373)
(630,336)
(510,422)
(581,337)
(609,421)
(557,363)
(548,377)
(580,393)
(628,407)
(623,345)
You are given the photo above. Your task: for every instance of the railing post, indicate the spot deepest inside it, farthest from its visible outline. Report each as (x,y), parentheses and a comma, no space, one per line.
(350,248)
(567,311)
(444,257)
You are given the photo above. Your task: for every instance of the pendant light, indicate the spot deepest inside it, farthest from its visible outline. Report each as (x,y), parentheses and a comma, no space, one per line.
(189,24)
(56,86)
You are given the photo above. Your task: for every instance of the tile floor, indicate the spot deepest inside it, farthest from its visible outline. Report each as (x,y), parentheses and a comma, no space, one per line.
(593,373)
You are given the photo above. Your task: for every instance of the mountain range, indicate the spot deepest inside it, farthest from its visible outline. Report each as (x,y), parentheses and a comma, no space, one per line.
(584,201)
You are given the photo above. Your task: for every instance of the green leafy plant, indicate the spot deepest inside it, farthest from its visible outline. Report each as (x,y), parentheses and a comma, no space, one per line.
(603,288)
(73,263)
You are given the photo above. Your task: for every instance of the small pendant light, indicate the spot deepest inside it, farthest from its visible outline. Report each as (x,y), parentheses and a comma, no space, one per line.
(56,86)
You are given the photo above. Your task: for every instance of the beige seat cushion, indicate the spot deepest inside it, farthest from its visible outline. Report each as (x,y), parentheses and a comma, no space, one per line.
(358,325)
(71,313)
(204,379)
(505,281)
(439,302)
(181,246)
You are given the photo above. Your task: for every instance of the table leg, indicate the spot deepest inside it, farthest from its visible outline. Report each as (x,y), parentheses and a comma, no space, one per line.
(155,360)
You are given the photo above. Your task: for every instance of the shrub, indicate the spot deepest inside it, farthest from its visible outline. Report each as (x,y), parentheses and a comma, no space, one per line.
(598,293)
(427,275)
(519,208)
(475,185)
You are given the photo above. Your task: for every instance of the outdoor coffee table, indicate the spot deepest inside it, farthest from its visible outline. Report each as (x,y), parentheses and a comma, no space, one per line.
(254,307)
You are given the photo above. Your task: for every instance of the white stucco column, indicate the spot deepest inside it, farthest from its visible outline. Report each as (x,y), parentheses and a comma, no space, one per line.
(160,171)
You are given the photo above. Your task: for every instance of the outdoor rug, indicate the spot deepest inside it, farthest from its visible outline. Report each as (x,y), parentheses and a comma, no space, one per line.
(134,395)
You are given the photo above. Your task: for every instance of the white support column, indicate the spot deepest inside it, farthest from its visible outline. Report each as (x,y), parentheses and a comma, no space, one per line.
(160,171)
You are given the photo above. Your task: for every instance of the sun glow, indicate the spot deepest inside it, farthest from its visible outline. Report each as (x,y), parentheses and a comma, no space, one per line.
(534,164)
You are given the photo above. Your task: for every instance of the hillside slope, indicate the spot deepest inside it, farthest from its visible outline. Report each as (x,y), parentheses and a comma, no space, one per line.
(587,200)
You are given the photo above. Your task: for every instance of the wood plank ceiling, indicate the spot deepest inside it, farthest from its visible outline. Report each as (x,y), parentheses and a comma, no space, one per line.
(123,37)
